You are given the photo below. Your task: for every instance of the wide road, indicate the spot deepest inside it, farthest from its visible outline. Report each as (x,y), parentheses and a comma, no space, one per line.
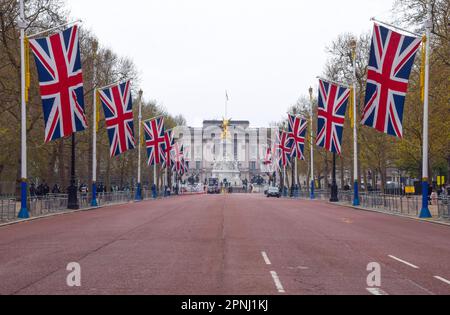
(233,245)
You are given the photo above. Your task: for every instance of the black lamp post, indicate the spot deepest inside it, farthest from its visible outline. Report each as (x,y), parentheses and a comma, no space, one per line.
(73,191)
(334,187)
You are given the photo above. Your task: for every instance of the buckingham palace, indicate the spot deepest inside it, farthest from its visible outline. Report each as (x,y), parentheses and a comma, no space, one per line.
(234,155)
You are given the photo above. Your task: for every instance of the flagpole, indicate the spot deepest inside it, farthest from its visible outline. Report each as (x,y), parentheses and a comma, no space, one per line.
(356,201)
(425,212)
(139,185)
(226,104)
(23,214)
(167,181)
(155,187)
(94,133)
(295,179)
(312,147)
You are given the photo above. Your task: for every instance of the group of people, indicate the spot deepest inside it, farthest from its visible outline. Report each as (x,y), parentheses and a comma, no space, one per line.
(43,189)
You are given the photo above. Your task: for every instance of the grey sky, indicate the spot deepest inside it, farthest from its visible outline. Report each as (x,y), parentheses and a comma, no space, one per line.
(266,53)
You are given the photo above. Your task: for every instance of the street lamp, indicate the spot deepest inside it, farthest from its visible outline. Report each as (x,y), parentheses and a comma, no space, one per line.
(73,195)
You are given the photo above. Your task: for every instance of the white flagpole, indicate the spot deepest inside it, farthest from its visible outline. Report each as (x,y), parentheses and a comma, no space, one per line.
(296,171)
(23,214)
(425,212)
(139,184)
(284,180)
(167,178)
(155,184)
(312,146)
(94,133)
(356,202)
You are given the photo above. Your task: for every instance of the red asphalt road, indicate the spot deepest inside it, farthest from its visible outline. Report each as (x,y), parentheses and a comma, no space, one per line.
(213,245)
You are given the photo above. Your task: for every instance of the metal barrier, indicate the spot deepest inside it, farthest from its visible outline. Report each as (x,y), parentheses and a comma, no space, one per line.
(396,204)
(115,197)
(47,205)
(7,209)
(443,204)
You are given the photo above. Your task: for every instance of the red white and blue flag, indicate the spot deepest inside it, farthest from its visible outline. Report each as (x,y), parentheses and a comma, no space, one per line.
(268,158)
(58,64)
(118,108)
(333,102)
(168,147)
(392,57)
(185,167)
(284,148)
(154,140)
(178,158)
(297,132)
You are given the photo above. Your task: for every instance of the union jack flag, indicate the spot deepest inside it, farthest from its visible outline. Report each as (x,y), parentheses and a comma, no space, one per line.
(297,132)
(118,107)
(392,57)
(185,167)
(268,159)
(178,158)
(168,147)
(333,101)
(284,149)
(154,140)
(58,65)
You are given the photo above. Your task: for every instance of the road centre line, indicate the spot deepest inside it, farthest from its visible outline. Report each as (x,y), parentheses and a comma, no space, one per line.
(442,279)
(403,262)
(277,281)
(266,258)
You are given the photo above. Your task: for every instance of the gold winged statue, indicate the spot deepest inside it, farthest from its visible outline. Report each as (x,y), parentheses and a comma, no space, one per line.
(225,128)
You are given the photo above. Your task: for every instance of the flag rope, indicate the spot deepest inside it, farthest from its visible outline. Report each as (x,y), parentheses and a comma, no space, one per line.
(27,68)
(422,69)
(98,104)
(352,114)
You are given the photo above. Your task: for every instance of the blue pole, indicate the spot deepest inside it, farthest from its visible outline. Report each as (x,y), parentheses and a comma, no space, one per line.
(94,195)
(356,201)
(154,192)
(425,212)
(23,214)
(312,190)
(138,192)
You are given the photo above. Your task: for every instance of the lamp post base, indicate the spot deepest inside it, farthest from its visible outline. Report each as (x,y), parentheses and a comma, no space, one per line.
(94,202)
(73,198)
(334,193)
(24,214)
(295,192)
(356,201)
(138,193)
(154,192)
(313,195)
(425,212)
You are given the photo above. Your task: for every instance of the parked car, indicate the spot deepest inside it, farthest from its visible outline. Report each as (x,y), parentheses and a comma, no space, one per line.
(273,192)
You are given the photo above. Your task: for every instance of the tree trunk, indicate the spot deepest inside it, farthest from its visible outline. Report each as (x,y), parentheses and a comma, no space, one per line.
(51,166)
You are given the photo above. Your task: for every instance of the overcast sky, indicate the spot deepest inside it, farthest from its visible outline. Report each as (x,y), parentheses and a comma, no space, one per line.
(266,53)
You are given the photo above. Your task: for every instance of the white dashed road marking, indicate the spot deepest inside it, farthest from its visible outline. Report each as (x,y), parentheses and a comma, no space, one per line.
(442,279)
(266,258)
(404,262)
(277,281)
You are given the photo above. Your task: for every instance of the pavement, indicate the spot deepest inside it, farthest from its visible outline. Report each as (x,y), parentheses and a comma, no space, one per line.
(225,245)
